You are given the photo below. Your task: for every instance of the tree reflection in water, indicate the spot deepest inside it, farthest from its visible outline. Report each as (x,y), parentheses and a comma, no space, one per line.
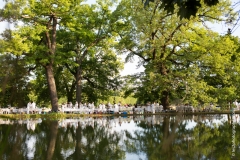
(152,137)
(169,139)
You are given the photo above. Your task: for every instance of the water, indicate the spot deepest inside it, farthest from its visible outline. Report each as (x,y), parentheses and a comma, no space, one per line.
(122,138)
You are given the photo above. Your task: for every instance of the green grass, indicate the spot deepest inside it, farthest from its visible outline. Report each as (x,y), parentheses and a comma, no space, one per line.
(49,115)
(53,116)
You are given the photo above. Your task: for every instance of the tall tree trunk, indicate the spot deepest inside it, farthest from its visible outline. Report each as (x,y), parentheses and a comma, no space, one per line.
(52,87)
(51,45)
(79,85)
(165,93)
(165,99)
(70,91)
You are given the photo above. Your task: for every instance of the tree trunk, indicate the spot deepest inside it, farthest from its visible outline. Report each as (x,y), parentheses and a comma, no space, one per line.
(79,85)
(52,87)
(165,99)
(51,45)
(165,93)
(70,91)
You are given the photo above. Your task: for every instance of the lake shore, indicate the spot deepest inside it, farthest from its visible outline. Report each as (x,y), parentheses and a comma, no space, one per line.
(70,115)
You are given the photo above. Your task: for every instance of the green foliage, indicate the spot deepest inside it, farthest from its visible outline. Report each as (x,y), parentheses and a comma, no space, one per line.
(128,100)
(90,58)
(84,43)
(183,61)
(13,81)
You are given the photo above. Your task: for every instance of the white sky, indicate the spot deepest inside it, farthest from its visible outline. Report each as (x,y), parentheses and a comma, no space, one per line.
(131,68)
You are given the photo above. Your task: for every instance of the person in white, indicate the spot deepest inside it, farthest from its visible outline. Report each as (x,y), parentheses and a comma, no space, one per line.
(109,105)
(33,105)
(85,108)
(148,108)
(29,105)
(89,106)
(160,108)
(70,105)
(153,108)
(76,105)
(100,109)
(104,108)
(116,108)
(92,107)
(80,105)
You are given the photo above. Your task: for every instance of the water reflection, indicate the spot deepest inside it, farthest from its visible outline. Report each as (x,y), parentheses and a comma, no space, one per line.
(134,137)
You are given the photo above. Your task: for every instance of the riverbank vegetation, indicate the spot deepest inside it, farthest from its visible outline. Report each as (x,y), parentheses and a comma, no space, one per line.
(55,116)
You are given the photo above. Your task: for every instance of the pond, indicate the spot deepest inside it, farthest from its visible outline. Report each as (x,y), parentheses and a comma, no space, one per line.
(209,136)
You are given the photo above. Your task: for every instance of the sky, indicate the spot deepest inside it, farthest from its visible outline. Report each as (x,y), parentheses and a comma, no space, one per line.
(131,68)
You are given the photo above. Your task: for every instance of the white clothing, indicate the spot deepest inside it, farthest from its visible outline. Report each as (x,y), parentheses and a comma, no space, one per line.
(153,108)
(104,108)
(70,105)
(116,108)
(149,108)
(29,105)
(100,107)
(33,105)
(76,105)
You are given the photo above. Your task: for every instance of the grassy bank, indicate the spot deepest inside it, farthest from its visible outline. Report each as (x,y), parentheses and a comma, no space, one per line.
(69,115)
(49,116)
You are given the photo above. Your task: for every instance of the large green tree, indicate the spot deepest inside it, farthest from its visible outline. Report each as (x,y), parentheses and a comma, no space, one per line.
(38,22)
(14,75)
(88,49)
(170,49)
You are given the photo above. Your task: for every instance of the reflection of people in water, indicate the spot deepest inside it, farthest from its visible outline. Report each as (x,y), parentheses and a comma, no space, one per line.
(31,124)
(120,121)
(153,120)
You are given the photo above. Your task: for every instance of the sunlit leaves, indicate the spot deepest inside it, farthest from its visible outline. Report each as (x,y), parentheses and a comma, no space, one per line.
(181,56)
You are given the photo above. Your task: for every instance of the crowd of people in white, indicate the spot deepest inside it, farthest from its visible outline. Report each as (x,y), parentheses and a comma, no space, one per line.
(90,108)
(118,108)
(31,108)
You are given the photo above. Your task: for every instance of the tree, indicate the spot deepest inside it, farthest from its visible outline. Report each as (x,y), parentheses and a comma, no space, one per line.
(40,22)
(90,45)
(14,74)
(170,49)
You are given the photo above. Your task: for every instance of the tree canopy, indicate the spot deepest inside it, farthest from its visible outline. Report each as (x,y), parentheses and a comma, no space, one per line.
(69,51)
